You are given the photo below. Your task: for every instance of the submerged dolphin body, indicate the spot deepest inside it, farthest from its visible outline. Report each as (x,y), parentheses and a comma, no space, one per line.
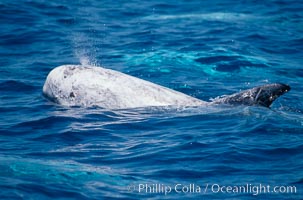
(77,85)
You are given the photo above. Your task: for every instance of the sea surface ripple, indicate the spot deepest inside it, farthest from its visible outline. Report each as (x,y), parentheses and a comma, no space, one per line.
(202,48)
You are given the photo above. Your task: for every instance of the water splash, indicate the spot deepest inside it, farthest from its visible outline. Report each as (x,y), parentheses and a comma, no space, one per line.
(84,49)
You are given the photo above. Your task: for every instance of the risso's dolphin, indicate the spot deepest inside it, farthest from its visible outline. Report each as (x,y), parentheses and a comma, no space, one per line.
(87,86)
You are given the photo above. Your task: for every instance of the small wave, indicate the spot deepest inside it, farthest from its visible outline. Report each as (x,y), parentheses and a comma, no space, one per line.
(16,86)
(216,16)
(42,123)
(215,59)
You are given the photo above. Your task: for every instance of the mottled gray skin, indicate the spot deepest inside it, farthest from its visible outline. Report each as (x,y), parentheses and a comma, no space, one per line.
(86,86)
(263,95)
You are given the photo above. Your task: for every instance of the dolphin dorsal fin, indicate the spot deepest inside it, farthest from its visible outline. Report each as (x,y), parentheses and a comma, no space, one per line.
(263,95)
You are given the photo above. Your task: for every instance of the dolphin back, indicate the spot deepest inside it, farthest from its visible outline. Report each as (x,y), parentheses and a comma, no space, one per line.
(263,95)
(89,86)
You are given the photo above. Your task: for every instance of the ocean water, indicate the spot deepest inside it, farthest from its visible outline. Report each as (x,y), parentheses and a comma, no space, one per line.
(202,48)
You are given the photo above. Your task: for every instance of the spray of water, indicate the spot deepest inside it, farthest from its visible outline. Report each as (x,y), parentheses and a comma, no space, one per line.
(84,49)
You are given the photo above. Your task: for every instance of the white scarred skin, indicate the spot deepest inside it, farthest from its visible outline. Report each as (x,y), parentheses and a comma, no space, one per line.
(78,85)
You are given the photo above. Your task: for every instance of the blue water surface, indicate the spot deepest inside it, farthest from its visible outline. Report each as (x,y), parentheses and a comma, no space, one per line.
(202,48)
